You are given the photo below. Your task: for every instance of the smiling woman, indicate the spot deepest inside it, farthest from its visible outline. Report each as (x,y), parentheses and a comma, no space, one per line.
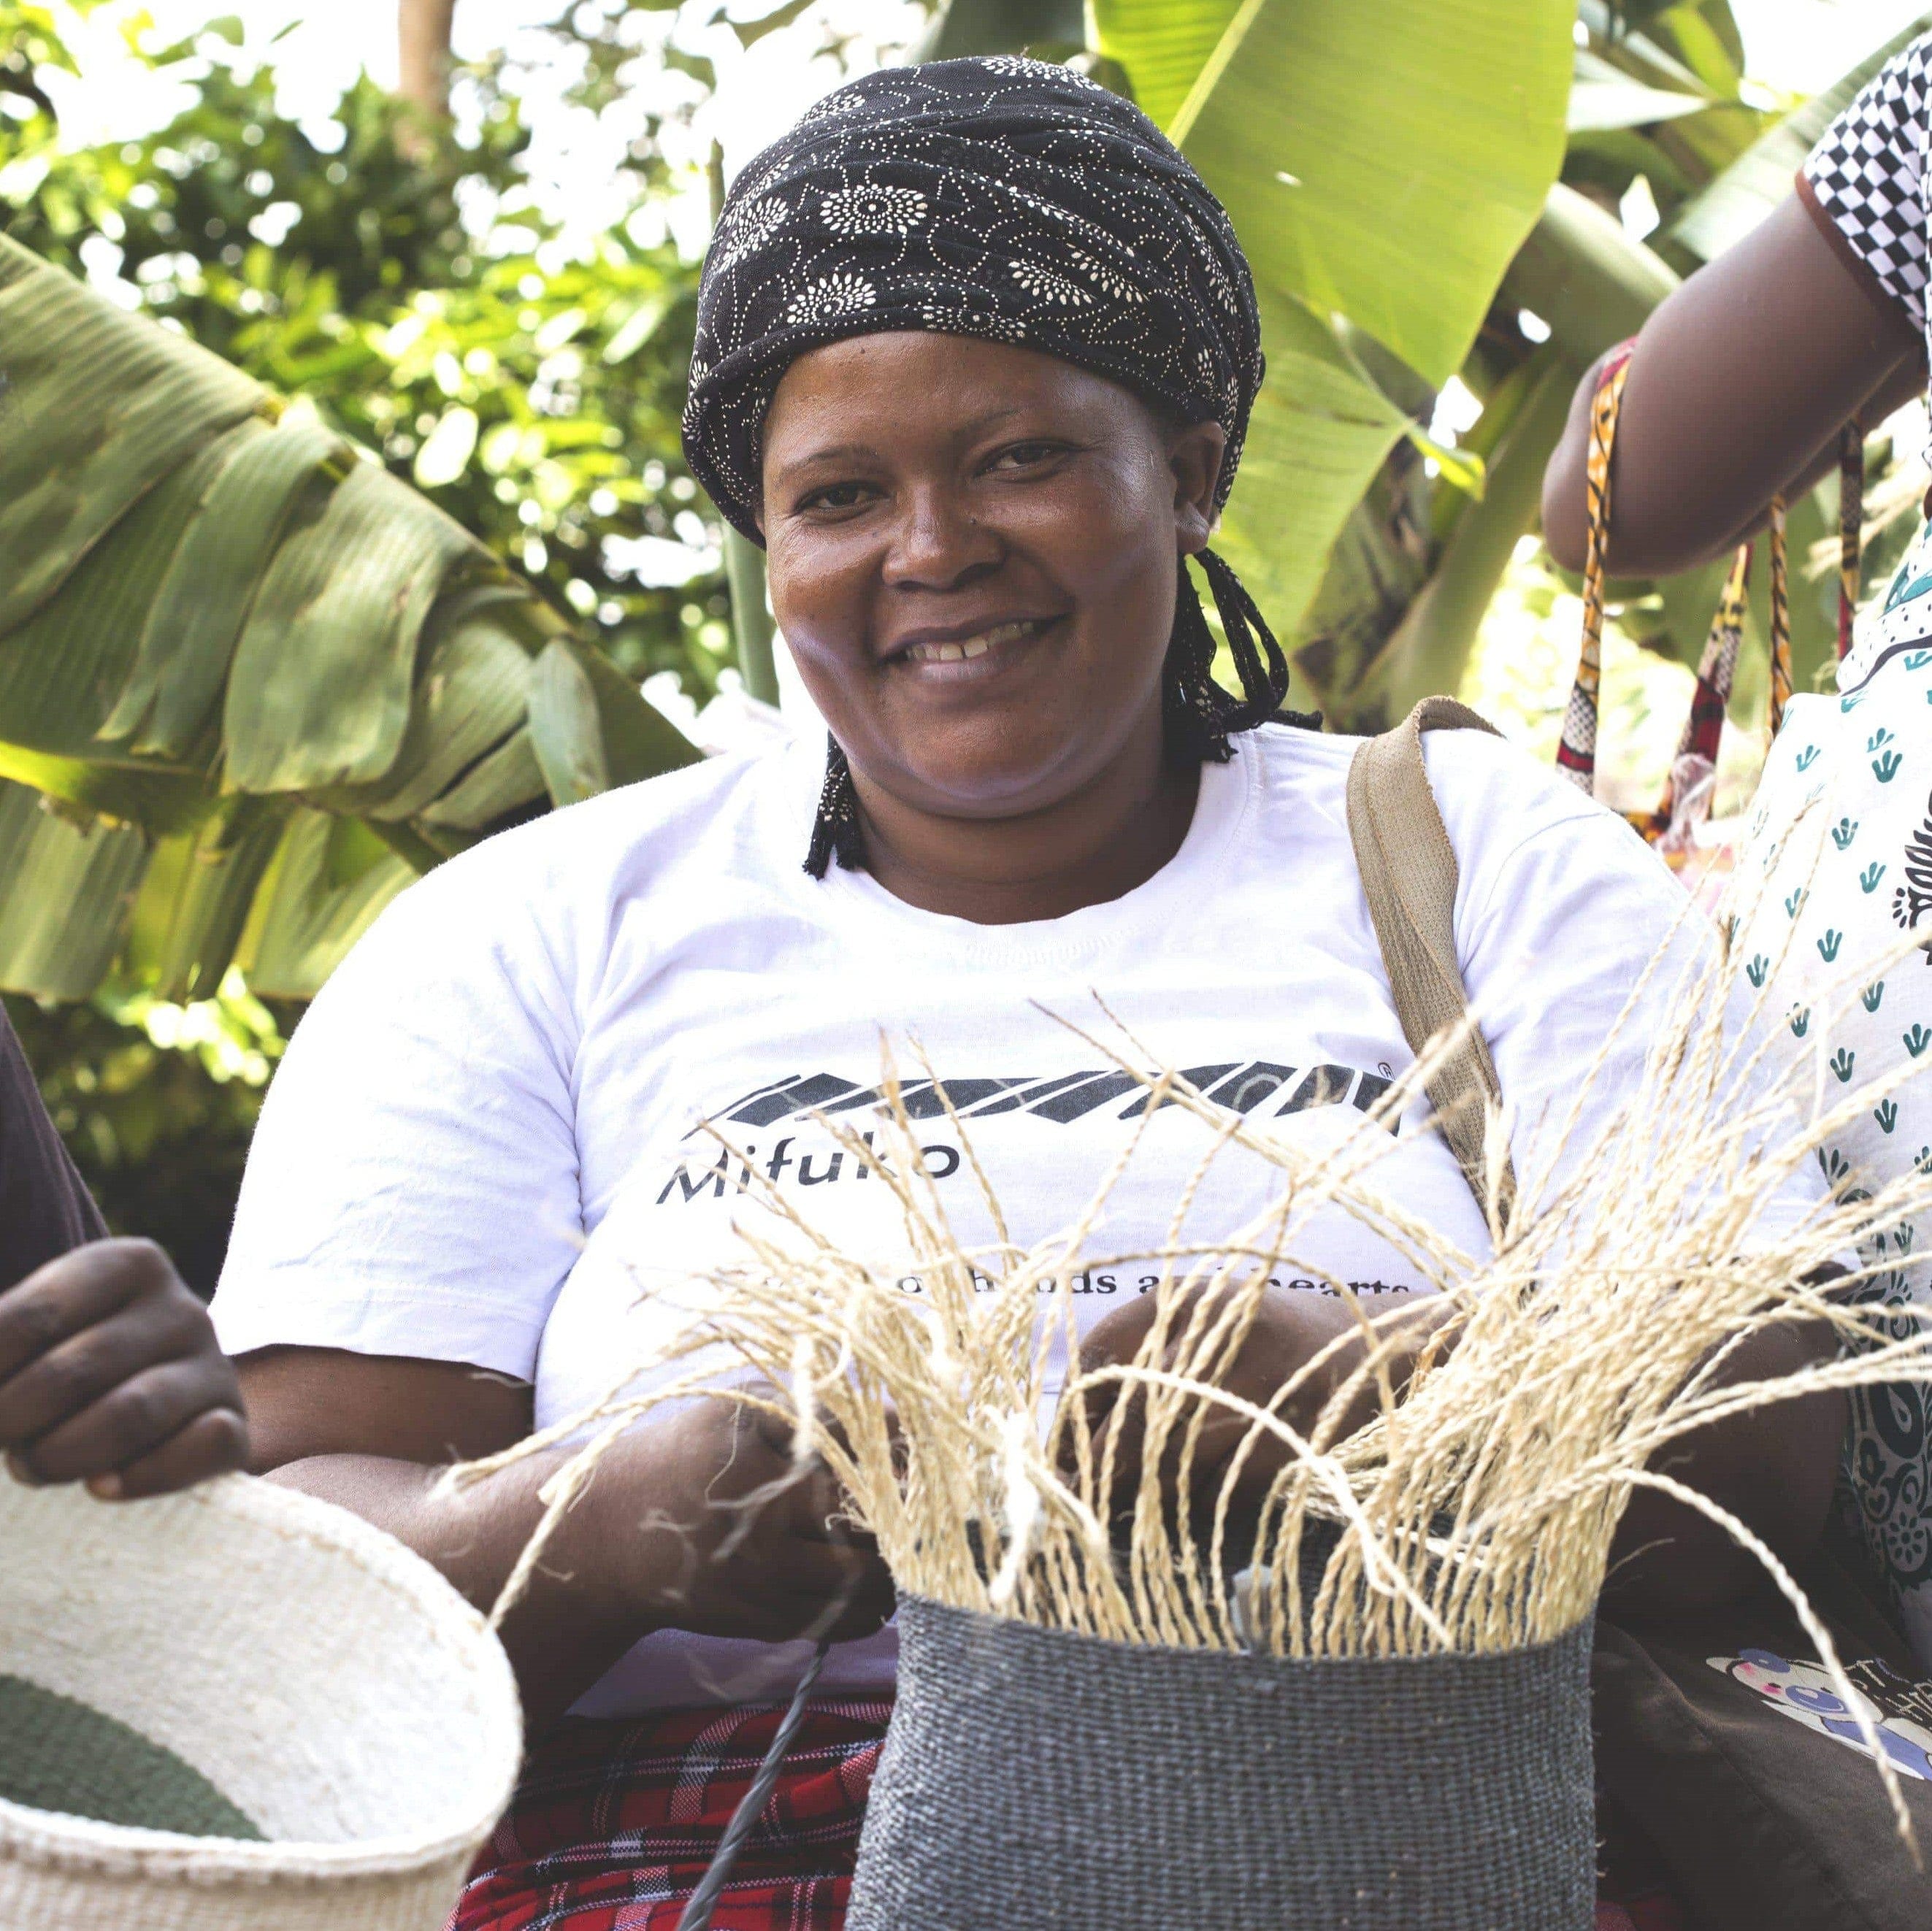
(976,353)
(975,579)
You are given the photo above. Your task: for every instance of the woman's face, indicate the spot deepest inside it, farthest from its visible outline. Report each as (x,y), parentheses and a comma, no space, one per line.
(972,549)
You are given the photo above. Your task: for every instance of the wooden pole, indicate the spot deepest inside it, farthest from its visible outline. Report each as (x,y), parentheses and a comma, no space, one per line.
(751,627)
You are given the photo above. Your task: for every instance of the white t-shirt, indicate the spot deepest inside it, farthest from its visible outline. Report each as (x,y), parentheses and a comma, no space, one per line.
(482,1145)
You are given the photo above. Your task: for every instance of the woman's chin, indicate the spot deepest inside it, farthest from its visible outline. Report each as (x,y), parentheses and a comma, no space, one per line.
(985,789)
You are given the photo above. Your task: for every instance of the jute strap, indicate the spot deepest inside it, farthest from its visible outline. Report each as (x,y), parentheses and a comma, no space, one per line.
(1409,875)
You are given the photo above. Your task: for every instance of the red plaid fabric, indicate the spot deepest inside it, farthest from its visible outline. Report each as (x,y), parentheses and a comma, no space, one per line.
(613,1824)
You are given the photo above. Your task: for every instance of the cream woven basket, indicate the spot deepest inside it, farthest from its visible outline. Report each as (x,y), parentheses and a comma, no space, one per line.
(325,1730)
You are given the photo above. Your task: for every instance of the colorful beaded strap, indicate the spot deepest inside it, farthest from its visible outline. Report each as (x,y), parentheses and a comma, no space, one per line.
(1697,748)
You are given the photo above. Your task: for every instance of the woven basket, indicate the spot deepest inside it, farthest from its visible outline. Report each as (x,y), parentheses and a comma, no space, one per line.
(237,1710)
(1037,1780)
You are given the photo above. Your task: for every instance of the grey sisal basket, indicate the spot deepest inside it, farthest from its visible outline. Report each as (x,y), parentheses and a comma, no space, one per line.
(1037,1780)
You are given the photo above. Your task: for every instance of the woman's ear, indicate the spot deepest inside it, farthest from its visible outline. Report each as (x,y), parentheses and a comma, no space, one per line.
(1194,456)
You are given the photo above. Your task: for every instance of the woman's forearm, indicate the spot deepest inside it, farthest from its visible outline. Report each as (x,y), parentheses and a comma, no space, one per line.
(1773,1468)
(574,1620)
(1740,382)
(697,1518)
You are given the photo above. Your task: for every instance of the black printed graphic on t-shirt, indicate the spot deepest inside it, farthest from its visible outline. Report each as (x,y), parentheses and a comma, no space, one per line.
(1260,1088)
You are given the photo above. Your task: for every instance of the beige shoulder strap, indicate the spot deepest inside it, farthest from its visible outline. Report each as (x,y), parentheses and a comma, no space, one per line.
(1408,873)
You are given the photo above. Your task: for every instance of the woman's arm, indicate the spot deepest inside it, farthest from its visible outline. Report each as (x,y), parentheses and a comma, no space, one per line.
(1740,382)
(696,1520)
(1774,1469)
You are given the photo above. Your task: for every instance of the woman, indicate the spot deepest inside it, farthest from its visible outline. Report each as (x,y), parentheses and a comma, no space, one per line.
(1736,389)
(975,352)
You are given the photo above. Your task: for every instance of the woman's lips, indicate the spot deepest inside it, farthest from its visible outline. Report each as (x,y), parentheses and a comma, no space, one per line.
(995,641)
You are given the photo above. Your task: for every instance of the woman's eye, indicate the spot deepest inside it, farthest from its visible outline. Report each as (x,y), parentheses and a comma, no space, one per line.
(836,496)
(1028,455)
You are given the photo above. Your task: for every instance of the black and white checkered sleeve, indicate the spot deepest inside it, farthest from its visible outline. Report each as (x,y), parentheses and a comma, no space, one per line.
(1867,177)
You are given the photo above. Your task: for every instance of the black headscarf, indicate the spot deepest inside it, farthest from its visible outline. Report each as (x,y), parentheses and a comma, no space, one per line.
(1017,201)
(1001,198)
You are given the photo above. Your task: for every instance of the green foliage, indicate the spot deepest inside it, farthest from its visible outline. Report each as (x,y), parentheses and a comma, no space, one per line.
(212,629)
(156,1103)
(555,383)
(1661,110)
(1379,198)
(406,293)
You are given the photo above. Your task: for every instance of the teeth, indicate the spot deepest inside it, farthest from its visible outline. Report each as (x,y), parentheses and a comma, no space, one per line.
(974,646)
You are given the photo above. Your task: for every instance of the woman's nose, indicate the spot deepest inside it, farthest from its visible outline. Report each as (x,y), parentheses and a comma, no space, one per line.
(937,543)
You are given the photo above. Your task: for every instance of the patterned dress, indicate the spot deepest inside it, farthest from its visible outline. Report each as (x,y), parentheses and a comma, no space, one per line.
(1836,877)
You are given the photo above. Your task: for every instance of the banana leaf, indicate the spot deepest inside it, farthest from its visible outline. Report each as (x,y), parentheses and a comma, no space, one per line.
(62,671)
(1381,163)
(265,683)
(320,689)
(69,890)
(473,695)
(328,879)
(585,736)
(1733,205)
(203,599)
(194,901)
(122,402)
(1319,433)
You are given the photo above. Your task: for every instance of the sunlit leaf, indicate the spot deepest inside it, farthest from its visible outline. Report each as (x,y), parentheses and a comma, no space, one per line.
(169,701)
(1381,161)
(1731,206)
(328,879)
(62,670)
(320,691)
(1318,435)
(65,894)
(1463,467)
(447,449)
(1602,98)
(194,902)
(121,402)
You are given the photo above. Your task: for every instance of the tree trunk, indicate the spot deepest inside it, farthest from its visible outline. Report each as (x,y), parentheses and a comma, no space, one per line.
(423,30)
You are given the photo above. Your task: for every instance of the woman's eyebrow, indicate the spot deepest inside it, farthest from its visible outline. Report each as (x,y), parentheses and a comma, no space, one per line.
(863,452)
(838,452)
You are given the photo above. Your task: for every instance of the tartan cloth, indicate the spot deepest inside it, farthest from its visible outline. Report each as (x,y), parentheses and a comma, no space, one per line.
(614,1823)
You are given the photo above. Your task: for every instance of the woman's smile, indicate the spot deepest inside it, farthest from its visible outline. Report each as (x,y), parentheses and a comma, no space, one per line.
(963,655)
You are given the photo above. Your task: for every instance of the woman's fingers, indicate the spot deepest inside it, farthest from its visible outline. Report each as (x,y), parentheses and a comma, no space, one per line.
(214,1443)
(110,1373)
(65,1380)
(72,1293)
(135,1417)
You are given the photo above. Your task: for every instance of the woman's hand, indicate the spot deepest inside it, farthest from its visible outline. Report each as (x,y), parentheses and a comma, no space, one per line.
(696,1518)
(730,1537)
(109,1375)
(1291,1328)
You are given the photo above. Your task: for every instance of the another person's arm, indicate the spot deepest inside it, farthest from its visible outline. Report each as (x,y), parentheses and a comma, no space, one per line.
(1773,1469)
(1742,377)
(110,1373)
